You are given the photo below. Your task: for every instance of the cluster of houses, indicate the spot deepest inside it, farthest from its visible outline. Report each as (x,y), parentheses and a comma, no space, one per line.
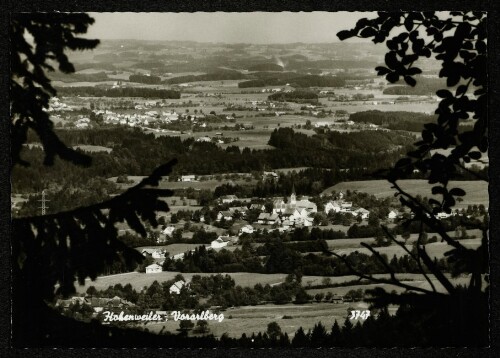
(137,119)
(146,118)
(98,304)
(82,123)
(55,104)
(342,206)
(290,213)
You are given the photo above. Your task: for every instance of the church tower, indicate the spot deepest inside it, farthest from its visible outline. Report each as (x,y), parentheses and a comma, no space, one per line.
(293,198)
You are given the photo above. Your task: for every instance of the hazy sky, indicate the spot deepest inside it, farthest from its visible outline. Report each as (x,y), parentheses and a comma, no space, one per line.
(253,27)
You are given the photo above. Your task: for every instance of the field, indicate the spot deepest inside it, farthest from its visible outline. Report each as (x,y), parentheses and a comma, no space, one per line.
(93,148)
(477,191)
(436,249)
(255,319)
(248,319)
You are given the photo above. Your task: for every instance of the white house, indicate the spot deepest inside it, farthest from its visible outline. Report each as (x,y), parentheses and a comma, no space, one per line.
(238,209)
(145,252)
(361,212)
(169,230)
(158,254)
(247,229)
(153,268)
(332,206)
(204,139)
(338,206)
(218,243)
(226,215)
(188,178)
(393,214)
(177,286)
(228,199)
(268,219)
(443,215)
(178,256)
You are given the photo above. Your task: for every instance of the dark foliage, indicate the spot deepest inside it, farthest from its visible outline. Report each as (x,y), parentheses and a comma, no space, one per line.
(118,92)
(52,251)
(459,43)
(30,89)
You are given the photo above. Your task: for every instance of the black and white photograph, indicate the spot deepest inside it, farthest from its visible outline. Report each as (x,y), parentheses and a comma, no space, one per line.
(249,179)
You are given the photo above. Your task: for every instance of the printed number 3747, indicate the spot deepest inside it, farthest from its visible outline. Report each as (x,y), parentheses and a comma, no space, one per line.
(360,314)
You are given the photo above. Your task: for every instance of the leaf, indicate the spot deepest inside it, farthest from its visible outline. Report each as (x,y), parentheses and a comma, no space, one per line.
(410,80)
(461,90)
(368,32)
(438,190)
(457,192)
(444,93)
(427,136)
(412,71)
(382,70)
(408,24)
(345,34)
(392,77)
(391,60)
(453,79)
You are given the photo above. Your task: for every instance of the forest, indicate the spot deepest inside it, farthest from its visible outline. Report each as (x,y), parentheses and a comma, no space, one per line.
(136,153)
(397,120)
(118,92)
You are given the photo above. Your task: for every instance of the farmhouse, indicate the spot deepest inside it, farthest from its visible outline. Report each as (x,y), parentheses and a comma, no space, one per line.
(226,215)
(177,287)
(393,214)
(168,231)
(247,229)
(178,256)
(242,210)
(363,213)
(223,241)
(338,206)
(188,178)
(154,268)
(259,207)
(443,215)
(228,199)
(268,219)
(204,139)
(269,176)
(218,243)
(158,254)
(147,252)
(337,299)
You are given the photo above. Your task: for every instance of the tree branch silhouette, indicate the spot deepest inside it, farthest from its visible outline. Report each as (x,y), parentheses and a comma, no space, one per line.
(459,43)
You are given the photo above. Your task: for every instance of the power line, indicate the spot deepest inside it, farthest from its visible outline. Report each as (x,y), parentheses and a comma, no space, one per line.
(44,207)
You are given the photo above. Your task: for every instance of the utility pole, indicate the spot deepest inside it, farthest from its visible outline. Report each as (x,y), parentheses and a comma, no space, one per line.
(43,200)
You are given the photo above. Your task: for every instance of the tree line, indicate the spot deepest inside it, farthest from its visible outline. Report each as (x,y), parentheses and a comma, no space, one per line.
(88,91)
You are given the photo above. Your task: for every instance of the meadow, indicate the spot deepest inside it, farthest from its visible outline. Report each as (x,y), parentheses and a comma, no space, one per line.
(476,191)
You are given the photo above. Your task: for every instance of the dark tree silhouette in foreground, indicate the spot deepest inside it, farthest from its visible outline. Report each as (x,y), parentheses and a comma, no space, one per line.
(458,316)
(55,250)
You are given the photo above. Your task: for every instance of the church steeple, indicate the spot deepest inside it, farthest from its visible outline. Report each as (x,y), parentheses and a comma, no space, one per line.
(293,198)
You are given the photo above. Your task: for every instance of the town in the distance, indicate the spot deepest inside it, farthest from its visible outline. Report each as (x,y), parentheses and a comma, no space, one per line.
(278,147)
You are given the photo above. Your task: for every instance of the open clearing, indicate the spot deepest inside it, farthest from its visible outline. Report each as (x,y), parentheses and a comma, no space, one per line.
(435,249)
(245,279)
(93,148)
(476,191)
